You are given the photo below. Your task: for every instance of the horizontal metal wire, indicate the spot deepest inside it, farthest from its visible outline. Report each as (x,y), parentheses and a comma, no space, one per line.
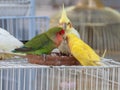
(17,7)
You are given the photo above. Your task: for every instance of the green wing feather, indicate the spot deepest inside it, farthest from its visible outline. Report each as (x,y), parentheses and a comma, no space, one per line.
(40,44)
(37,42)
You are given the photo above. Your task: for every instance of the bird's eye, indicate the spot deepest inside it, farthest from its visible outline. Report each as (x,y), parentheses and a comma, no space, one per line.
(68,23)
(61,32)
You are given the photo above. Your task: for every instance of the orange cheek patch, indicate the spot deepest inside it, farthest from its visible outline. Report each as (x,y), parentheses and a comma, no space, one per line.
(59,39)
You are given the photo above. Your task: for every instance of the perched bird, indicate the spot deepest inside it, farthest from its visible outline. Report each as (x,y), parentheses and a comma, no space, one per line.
(43,43)
(8,42)
(83,52)
(67,25)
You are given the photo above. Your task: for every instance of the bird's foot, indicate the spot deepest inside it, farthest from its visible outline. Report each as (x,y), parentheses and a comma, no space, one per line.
(61,54)
(65,54)
(44,56)
(1,57)
(55,54)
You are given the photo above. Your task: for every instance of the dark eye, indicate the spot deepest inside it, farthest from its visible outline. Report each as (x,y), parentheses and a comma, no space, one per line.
(60,33)
(68,23)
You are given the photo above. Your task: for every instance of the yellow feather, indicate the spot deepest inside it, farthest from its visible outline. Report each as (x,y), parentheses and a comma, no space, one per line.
(82,52)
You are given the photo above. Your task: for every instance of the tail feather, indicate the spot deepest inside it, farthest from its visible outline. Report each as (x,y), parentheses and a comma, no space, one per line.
(100,64)
(9,55)
(22,49)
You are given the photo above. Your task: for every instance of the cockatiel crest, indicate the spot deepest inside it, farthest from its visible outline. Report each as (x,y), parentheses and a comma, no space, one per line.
(64,18)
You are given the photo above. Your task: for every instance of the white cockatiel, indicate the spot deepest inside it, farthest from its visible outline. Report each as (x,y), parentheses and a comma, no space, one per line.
(8,42)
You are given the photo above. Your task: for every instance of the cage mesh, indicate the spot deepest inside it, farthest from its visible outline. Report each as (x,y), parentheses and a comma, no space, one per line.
(21,75)
(16,7)
(24,27)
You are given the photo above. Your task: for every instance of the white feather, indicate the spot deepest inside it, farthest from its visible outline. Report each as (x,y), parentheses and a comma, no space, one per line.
(8,42)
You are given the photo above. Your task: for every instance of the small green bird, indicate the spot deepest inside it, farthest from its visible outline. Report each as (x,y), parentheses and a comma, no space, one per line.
(43,43)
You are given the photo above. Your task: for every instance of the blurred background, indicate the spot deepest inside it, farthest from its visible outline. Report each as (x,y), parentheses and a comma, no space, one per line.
(49,7)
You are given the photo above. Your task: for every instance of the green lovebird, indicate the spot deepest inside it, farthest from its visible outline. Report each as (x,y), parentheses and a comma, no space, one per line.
(43,43)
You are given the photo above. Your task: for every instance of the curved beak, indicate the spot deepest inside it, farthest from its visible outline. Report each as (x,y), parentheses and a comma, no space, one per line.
(64,25)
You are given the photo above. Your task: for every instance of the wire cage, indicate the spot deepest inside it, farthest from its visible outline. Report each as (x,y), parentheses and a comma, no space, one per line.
(17,7)
(24,27)
(98,25)
(21,75)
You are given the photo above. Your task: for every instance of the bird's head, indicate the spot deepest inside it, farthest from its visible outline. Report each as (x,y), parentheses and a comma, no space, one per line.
(56,34)
(64,21)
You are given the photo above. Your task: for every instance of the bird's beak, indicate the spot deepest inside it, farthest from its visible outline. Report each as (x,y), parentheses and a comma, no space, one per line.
(64,37)
(64,25)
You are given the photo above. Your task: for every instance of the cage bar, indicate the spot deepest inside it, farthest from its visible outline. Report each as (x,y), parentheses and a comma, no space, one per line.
(17,7)
(21,75)
(24,27)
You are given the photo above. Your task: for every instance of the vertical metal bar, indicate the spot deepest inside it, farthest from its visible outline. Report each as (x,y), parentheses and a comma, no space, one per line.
(16,28)
(19,79)
(81,78)
(69,78)
(12,27)
(53,77)
(36,78)
(41,79)
(58,79)
(30,80)
(20,27)
(96,79)
(2,20)
(75,80)
(64,79)
(86,78)
(113,78)
(31,32)
(23,29)
(91,79)
(7,79)
(105,80)
(1,78)
(13,79)
(47,80)
(108,75)
(7,25)
(118,78)
(24,81)
(102,83)
(32,7)
(47,22)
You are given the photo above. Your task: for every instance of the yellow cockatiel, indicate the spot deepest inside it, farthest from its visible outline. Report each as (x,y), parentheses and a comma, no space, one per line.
(65,23)
(83,52)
